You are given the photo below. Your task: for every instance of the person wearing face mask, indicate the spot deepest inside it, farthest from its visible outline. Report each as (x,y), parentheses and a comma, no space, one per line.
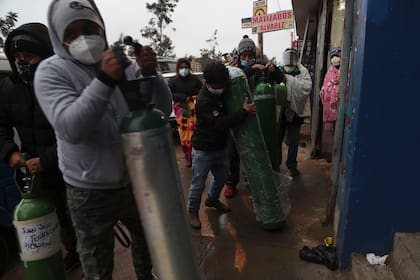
(254,67)
(79,91)
(184,87)
(25,48)
(329,99)
(209,140)
(299,84)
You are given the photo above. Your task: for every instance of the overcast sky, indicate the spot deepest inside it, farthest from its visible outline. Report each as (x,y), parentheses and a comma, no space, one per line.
(194,20)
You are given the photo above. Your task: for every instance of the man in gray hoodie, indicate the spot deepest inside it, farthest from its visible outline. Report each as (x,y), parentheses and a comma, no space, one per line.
(78,90)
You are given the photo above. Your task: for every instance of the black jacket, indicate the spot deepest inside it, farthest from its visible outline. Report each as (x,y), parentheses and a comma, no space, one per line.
(213,123)
(19,109)
(183,87)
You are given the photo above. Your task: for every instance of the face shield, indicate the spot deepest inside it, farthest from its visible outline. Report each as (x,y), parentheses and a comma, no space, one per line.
(290,57)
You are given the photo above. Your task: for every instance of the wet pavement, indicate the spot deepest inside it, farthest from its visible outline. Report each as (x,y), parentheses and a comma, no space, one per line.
(233,246)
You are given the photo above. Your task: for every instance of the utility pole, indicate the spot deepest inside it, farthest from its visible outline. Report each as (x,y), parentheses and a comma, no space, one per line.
(291,39)
(260,42)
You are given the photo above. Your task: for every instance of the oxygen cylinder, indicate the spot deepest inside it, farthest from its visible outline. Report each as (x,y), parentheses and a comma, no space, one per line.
(281,98)
(264,99)
(38,231)
(151,163)
(254,156)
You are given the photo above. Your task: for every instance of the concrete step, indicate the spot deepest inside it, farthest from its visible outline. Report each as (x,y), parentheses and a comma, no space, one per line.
(362,270)
(405,259)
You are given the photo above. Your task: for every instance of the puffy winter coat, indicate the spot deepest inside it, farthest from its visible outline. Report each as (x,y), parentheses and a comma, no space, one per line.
(19,109)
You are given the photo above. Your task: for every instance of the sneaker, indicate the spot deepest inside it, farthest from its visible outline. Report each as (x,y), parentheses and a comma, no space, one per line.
(194,220)
(294,172)
(217,204)
(71,260)
(230,190)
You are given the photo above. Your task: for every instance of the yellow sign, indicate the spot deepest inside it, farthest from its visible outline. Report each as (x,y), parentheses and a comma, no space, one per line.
(260,8)
(271,22)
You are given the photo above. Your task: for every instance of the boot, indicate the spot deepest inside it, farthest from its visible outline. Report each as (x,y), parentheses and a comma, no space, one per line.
(194,220)
(215,203)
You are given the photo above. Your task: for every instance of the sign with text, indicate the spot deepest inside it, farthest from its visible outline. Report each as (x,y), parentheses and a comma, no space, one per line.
(272,22)
(246,22)
(260,8)
(39,238)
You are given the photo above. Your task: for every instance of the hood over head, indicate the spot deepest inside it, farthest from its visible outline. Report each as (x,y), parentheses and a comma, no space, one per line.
(31,37)
(61,13)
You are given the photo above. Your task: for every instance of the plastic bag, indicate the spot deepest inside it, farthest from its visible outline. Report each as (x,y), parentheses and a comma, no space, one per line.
(320,254)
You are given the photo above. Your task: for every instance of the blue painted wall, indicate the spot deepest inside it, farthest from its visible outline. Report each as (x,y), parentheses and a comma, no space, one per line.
(380,186)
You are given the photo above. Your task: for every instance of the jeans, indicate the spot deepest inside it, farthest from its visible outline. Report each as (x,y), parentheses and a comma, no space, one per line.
(94,214)
(202,163)
(292,140)
(57,197)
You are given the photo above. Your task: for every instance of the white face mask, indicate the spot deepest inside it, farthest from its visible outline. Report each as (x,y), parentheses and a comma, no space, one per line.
(87,49)
(336,61)
(288,69)
(214,91)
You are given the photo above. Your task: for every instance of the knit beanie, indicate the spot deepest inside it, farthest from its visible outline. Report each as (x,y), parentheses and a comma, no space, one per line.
(66,12)
(335,52)
(246,45)
(27,43)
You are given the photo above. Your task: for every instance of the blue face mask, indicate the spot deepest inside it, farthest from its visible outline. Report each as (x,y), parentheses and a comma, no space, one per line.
(247,63)
(184,72)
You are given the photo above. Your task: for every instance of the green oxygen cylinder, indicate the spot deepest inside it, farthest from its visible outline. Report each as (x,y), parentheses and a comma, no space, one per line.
(281,98)
(264,99)
(38,230)
(254,156)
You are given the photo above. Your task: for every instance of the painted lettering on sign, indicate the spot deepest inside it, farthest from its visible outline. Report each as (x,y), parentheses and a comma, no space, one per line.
(271,22)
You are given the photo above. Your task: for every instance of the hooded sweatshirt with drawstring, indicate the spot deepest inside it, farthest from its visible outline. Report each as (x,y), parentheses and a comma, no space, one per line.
(83,109)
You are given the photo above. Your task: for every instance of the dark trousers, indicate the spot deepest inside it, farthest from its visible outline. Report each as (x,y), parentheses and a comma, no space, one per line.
(94,214)
(234,162)
(292,132)
(57,197)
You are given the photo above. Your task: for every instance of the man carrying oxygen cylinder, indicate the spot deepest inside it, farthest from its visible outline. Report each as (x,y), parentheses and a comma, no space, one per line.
(25,48)
(78,89)
(254,69)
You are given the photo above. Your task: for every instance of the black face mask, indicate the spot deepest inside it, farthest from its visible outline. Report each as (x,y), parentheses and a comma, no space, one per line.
(26,71)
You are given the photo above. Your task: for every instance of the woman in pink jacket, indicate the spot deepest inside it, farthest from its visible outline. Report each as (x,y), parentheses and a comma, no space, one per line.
(329,99)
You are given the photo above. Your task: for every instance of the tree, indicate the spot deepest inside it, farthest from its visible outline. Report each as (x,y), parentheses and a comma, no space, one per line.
(162,10)
(6,25)
(211,53)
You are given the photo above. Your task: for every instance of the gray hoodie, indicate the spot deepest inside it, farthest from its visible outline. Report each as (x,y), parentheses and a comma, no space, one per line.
(85,112)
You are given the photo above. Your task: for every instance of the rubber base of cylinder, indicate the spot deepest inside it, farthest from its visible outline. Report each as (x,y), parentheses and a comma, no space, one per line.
(273,226)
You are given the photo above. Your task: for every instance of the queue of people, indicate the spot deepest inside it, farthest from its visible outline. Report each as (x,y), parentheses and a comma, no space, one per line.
(64,101)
